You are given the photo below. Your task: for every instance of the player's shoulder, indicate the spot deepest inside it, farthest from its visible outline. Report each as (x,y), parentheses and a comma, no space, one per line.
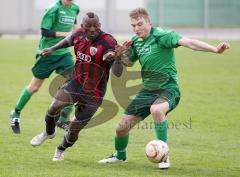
(53,8)
(134,39)
(78,35)
(159,32)
(79,32)
(107,35)
(108,38)
(75,6)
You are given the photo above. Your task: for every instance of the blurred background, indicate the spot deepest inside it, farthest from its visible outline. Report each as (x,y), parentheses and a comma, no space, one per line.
(200,18)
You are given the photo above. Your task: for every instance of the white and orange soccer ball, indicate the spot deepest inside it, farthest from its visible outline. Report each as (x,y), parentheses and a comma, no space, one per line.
(157,151)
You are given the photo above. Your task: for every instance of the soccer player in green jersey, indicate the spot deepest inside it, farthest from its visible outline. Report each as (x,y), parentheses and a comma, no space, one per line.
(58,21)
(154,49)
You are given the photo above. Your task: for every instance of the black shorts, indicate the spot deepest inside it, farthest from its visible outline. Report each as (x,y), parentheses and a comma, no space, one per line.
(86,103)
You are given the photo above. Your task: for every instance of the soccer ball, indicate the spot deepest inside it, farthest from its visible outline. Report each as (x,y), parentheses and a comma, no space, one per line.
(157,151)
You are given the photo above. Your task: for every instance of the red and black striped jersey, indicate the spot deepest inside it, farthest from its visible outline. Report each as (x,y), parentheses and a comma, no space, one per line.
(90,69)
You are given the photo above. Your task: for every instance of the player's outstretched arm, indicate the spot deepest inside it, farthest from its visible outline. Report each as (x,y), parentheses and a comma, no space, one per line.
(66,42)
(203,46)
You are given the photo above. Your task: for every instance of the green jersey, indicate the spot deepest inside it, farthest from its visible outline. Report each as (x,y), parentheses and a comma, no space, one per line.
(157,59)
(57,18)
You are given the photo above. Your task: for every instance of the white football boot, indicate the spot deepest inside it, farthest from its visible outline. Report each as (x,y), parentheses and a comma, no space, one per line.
(165,164)
(112,159)
(58,155)
(40,138)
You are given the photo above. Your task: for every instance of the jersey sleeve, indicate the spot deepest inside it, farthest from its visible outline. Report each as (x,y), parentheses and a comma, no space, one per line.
(78,10)
(77,36)
(170,39)
(48,18)
(111,43)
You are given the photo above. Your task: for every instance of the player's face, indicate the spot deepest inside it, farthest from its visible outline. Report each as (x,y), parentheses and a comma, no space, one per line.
(141,27)
(67,2)
(92,27)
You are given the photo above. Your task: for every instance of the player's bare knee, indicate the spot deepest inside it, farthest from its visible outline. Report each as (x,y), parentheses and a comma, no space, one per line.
(33,89)
(157,113)
(121,130)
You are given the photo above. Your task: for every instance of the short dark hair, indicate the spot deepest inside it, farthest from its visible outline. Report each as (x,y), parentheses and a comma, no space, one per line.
(90,15)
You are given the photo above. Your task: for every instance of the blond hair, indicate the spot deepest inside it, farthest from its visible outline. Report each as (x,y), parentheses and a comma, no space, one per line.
(139,12)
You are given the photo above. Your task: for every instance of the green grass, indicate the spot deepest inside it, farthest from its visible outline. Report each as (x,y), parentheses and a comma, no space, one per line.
(210,87)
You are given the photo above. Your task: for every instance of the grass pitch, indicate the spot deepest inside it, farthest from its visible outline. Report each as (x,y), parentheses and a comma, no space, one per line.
(203,130)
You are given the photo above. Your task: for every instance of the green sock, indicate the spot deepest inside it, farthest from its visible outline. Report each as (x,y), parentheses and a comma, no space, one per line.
(161,130)
(65,113)
(120,147)
(23,99)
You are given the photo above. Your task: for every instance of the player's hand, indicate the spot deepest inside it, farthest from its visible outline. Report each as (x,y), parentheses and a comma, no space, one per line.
(46,52)
(222,47)
(121,49)
(109,55)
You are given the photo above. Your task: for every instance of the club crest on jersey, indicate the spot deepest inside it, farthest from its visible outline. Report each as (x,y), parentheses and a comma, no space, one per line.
(93,51)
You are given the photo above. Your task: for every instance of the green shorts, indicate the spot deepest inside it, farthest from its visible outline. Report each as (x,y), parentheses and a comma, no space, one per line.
(62,64)
(140,105)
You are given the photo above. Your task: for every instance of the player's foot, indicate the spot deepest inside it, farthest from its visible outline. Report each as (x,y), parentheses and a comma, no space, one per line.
(112,159)
(63,125)
(165,164)
(40,138)
(58,155)
(15,122)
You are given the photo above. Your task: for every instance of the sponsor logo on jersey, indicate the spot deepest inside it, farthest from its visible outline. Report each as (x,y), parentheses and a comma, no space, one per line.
(141,50)
(62,12)
(67,20)
(93,51)
(83,57)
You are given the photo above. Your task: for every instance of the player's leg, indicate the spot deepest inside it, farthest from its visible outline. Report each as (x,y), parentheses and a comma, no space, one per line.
(158,111)
(136,111)
(27,92)
(121,139)
(63,121)
(83,114)
(41,70)
(122,134)
(24,97)
(66,69)
(166,101)
(61,100)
